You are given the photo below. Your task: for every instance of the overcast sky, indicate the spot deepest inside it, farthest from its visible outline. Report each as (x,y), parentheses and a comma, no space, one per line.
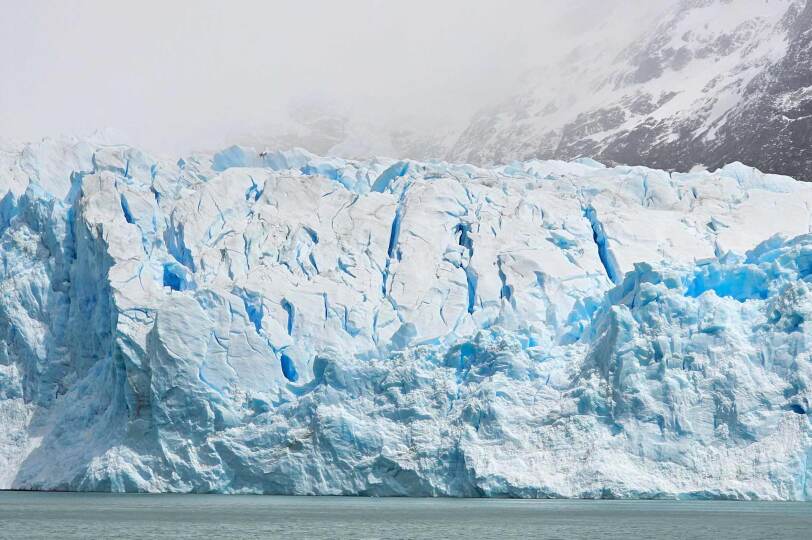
(176,76)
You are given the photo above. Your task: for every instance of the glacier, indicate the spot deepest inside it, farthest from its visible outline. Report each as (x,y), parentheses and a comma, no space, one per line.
(280,322)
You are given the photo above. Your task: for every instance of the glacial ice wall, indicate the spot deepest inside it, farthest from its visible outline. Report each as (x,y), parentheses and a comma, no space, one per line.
(278,322)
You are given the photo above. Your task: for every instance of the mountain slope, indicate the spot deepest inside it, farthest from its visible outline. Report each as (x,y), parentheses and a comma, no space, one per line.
(709,82)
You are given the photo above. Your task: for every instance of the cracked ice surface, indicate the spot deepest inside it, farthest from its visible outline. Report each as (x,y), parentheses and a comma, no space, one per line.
(285,323)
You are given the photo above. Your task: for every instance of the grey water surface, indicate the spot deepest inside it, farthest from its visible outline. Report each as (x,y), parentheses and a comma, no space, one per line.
(94,515)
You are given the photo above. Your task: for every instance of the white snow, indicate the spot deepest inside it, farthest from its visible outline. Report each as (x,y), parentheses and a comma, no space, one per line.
(725,45)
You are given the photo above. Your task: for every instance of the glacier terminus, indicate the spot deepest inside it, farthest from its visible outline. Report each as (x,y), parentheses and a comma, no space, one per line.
(279,322)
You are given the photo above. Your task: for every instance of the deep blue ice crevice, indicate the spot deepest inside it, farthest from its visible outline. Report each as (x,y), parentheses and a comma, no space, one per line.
(344,267)
(75,191)
(471,278)
(394,232)
(290,309)
(176,246)
(125,208)
(347,324)
(463,231)
(392,250)
(254,308)
(506,291)
(314,236)
(605,254)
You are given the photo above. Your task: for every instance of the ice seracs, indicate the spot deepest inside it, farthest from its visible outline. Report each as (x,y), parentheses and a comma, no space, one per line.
(278,322)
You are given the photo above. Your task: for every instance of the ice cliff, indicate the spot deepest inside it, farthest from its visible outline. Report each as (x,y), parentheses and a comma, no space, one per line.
(278,322)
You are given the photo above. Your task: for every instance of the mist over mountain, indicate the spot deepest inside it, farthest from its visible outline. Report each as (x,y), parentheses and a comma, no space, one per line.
(714,81)
(697,82)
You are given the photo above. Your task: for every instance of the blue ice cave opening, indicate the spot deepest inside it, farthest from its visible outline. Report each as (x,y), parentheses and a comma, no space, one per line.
(288,368)
(467,354)
(797,409)
(174,277)
(462,356)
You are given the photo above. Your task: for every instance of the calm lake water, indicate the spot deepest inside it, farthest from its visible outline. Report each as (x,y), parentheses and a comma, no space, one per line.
(74,515)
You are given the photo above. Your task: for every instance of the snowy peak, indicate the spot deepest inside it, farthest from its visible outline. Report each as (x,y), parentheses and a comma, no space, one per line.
(685,90)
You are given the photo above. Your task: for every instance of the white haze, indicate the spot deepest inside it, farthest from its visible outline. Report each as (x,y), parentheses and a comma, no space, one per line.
(178,76)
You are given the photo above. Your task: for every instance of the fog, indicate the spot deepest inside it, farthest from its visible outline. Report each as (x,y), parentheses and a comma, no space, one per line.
(180,76)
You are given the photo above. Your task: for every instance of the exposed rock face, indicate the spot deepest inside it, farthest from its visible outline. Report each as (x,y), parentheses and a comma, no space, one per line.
(713,82)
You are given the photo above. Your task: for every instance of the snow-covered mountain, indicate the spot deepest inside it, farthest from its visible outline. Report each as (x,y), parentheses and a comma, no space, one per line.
(330,129)
(284,323)
(705,82)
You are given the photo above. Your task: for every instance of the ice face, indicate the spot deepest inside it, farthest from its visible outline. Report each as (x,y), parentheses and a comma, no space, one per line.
(284,323)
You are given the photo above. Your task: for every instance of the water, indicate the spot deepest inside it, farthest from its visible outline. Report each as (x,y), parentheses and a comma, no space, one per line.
(74,515)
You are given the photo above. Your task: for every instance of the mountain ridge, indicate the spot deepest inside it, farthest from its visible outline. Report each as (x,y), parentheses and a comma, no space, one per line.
(752,74)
